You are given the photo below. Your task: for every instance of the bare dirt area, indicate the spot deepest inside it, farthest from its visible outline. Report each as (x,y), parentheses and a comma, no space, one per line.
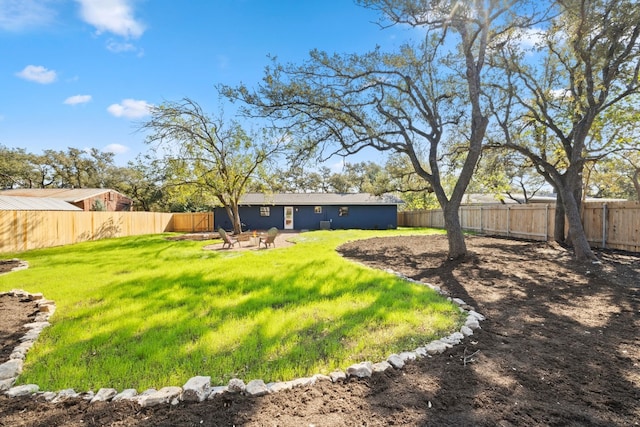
(560,347)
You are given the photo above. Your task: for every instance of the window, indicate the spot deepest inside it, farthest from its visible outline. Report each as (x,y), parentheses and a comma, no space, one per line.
(317,209)
(343,211)
(265,211)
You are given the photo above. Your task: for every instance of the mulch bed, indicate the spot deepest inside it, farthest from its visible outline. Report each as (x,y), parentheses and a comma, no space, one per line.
(560,346)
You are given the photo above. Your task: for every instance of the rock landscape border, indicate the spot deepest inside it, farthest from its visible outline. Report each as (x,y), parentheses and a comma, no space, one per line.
(198,388)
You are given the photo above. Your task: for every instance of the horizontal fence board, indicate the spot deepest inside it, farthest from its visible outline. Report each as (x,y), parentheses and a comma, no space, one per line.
(623,226)
(614,225)
(25,230)
(193,222)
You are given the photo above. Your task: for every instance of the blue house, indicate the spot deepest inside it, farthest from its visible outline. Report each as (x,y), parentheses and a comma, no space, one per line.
(313,211)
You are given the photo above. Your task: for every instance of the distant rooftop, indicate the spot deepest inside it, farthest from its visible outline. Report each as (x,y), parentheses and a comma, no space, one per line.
(10,203)
(488,199)
(312,199)
(71,195)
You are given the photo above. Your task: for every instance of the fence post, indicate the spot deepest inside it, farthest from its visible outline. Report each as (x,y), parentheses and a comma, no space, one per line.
(481,222)
(546,222)
(508,221)
(604,225)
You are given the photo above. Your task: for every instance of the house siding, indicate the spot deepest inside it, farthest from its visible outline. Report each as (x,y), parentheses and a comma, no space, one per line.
(305,218)
(111,200)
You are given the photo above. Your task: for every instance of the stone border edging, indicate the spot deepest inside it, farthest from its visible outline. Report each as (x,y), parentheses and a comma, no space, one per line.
(22,265)
(10,370)
(198,388)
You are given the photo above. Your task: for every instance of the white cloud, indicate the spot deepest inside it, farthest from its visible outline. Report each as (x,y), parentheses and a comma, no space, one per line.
(560,93)
(113,16)
(532,37)
(38,74)
(527,40)
(337,167)
(19,15)
(130,109)
(77,99)
(116,149)
(117,47)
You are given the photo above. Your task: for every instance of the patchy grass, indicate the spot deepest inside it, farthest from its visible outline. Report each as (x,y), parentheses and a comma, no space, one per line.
(149,312)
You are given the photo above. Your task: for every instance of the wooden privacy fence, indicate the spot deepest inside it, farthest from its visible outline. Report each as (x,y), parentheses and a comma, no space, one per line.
(193,221)
(24,230)
(614,225)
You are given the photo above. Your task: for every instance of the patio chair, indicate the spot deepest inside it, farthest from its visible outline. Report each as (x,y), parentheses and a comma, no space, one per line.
(270,238)
(226,239)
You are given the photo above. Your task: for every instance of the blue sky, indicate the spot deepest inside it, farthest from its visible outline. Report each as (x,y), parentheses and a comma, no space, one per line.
(81,73)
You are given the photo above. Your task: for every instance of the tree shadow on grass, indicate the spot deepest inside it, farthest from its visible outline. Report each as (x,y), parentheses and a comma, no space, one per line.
(193,321)
(559,347)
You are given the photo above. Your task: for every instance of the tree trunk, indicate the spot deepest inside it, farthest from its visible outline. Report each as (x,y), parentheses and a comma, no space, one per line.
(233,212)
(234,217)
(581,246)
(457,245)
(237,224)
(636,182)
(558,227)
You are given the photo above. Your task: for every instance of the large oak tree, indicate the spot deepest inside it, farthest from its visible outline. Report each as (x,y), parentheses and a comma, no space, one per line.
(205,157)
(587,62)
(409,103)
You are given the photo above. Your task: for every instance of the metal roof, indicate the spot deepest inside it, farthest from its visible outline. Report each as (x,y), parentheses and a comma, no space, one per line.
(313,199)
(71,195)
(10,203)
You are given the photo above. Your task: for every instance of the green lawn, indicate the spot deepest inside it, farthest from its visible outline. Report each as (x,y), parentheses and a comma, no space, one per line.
(142,312)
